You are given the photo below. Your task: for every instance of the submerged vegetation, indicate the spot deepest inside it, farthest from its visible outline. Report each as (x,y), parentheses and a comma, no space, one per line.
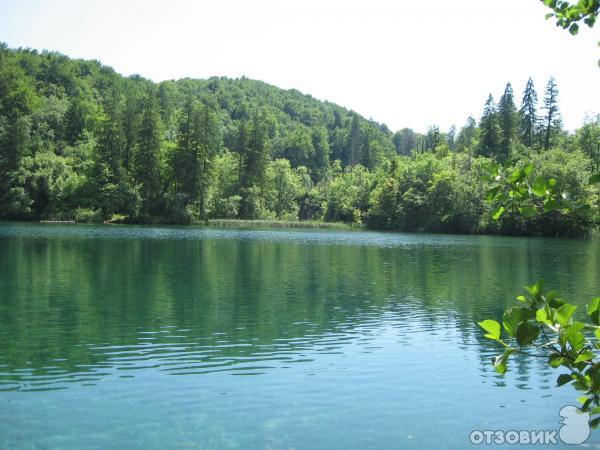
(80,142)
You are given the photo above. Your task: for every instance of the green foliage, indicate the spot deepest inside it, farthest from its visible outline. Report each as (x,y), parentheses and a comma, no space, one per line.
(568,15)
(544,327)
(76,136)
(544,324)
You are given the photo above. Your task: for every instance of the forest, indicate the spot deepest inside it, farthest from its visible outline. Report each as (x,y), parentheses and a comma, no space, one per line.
(79,142)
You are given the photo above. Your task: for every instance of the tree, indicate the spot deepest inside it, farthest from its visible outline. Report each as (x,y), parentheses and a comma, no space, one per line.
(405,141)
(198,142)
(286,187)
(451,138)
(552,122)
(489,141)
(254,156)
(109,176)
(528,113)
(321,153)
(147,157)
(507,115)
(588,137)
(75,121)
(355,142)
(432,138)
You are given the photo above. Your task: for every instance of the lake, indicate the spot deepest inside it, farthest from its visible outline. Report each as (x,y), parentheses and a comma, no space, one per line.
(193,338)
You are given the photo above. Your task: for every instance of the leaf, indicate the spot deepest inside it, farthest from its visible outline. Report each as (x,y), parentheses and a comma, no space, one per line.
(550,204)
(497,212)
(500,361)
(564,313)
(541,315)
(514,316)
(528,211)
(564,379)
(527,333)
(595,422)
(492,194)
(536,289)
(585,356)
(492,168)
(574,337)
(528,169)
(595,178)
(522,298)
(555,361)
(539,186)
(574,29)
(594,311)
(492,327)
(517,175)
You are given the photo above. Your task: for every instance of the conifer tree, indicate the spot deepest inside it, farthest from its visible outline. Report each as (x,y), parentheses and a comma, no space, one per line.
(147,157)
(552,122)
(489,142)
(507,117)
(528,119)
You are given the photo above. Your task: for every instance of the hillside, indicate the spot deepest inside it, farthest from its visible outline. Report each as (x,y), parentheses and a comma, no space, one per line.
(80,142)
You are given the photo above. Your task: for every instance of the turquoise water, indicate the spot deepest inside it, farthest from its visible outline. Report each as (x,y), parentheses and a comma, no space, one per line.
(185,338)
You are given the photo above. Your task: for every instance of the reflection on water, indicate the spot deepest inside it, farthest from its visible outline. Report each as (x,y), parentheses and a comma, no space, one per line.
(280,339)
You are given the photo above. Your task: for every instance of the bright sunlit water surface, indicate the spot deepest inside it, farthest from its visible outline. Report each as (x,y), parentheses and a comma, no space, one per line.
(193,338)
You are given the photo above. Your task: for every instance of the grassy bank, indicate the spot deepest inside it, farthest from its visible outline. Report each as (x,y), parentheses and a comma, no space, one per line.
(239,223)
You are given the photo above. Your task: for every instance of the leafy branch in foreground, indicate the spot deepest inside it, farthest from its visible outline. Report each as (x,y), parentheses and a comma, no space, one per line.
(568,15)
(544,325)
(519,191)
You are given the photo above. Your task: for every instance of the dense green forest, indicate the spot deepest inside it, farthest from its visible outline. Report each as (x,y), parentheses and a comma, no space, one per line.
(80,142)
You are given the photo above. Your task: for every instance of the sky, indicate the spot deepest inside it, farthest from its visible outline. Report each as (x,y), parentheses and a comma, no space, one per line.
(404,63)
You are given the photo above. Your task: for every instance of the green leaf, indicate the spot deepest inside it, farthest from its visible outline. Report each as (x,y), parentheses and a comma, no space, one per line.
(517,175)
(574,29)
(564,313)
(550,204)
(541,315)
(497,212)
(594,310)
(527,333)
(537,289)
(492,194)
(528,169)
(564,379)
(500,361)
(492,327)
(514,316)
(555,361)
(528,211)
(595,422)
(574,337)
(522,298)
(597,333)
(539,186)
(585,356)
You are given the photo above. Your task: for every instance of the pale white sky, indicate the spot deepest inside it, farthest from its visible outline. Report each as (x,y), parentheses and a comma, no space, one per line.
(404,63)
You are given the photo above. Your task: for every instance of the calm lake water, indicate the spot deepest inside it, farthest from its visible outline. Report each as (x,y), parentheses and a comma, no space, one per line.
(184,338)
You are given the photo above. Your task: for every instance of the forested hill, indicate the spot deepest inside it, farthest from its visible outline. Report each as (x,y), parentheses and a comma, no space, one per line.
(80,142)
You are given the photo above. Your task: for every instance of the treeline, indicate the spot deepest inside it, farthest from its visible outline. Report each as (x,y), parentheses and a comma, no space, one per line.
(80,142)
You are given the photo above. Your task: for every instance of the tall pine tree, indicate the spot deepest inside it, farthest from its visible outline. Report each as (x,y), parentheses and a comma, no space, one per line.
(528,119)
(489,141)
(552,122)
(507,117)
(147,157)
